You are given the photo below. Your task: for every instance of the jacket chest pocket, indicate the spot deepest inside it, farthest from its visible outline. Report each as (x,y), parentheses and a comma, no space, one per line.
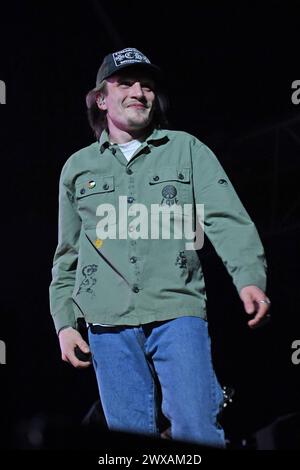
(169,186)
(92,192)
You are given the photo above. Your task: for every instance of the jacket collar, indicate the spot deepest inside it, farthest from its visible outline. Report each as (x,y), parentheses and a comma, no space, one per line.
(156,138)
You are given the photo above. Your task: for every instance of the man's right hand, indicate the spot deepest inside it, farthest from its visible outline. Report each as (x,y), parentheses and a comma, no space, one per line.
(69,338)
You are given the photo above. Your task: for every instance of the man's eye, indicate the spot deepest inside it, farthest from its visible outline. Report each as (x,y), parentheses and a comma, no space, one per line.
(125,84)
(147,86)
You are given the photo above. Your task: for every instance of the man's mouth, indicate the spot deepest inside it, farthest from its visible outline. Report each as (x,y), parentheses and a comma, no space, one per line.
(137,105)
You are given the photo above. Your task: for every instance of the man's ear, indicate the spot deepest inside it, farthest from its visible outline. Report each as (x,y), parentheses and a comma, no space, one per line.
(100,100)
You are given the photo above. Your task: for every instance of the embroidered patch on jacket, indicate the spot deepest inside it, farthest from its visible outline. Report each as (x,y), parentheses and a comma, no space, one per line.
(169,193)
(89,280)
(181,260)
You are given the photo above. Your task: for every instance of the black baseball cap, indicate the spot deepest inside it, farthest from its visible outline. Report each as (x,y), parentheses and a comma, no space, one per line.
(119,60)
(116,61)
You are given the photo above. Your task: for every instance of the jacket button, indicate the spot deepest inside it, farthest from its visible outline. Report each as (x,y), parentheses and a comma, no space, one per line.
(222,181)
(133,259)
(180,176)
(105,186)
(129,171)
(135,289)
(82,191)
(130,199)
(155,178)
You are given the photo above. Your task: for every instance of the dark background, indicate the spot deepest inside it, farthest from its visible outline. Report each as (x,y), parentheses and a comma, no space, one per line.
(229,69)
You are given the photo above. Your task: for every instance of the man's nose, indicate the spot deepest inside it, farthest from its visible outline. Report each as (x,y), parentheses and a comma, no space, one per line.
(136,90)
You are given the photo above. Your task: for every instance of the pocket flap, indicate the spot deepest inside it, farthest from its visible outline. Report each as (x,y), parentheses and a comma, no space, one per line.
(94,185)
(169,174)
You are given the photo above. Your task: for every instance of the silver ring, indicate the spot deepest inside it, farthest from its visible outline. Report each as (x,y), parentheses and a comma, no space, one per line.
(267,301)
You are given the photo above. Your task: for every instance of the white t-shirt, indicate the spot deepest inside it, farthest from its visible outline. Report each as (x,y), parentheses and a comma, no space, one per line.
(129,148)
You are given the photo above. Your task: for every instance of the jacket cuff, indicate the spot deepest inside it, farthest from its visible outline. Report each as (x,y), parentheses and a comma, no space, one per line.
(63,322)
(248,279)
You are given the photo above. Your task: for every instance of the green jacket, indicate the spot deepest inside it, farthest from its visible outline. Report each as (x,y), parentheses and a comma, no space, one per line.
(130,279)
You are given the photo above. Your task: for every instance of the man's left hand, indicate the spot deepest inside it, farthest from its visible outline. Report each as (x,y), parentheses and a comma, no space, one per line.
(255,302)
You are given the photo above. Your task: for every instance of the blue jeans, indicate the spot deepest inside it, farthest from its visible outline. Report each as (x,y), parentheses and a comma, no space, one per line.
(129,360)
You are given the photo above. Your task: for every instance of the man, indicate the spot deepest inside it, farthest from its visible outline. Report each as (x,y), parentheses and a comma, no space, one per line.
(139,287)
